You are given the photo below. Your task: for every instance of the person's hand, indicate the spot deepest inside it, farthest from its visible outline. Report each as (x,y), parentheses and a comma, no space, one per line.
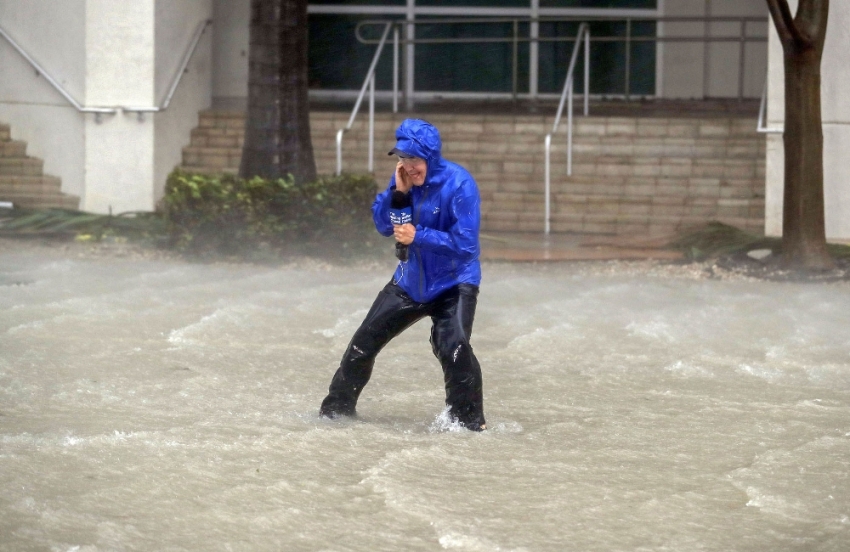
(404,233)
(402,180)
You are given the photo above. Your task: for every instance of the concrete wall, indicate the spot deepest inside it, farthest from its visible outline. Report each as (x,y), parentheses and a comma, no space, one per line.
(106,53)
(54,34)
(176,23)
(682,65)
(835,100)
(230,52)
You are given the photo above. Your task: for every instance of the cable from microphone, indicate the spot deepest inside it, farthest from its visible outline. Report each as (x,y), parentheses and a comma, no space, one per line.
(401,212)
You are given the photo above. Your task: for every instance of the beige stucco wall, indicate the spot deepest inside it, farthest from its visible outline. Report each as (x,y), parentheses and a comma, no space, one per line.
(230,52)
(53,33)
(681,72)
(836,127)
(176,23)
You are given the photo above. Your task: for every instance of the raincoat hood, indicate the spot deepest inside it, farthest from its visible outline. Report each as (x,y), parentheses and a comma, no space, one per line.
(418,138)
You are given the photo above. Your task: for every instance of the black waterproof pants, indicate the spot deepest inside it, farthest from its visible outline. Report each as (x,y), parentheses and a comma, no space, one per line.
(393,312)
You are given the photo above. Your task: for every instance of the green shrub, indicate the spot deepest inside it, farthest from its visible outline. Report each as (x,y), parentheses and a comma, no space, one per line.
(229,215)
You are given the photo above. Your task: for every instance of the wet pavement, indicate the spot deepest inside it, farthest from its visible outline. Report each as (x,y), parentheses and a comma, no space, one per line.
(534,247)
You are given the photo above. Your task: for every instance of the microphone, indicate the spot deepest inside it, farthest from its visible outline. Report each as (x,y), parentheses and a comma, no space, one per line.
(401,212)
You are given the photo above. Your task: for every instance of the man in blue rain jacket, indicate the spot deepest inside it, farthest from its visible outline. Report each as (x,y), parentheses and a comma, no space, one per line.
(439,279)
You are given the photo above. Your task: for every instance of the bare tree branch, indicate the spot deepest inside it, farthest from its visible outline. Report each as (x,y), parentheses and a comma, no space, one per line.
(783,20)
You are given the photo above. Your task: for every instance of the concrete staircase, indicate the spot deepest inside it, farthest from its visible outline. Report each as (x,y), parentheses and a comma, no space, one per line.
(22,180)
(631,175)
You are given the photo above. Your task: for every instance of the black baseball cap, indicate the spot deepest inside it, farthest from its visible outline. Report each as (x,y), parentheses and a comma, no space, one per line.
(402,154)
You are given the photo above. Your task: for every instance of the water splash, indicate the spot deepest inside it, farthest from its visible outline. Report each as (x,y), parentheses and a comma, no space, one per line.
(444,422)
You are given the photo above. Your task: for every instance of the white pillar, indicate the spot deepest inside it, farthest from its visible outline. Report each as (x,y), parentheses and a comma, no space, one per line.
(775,163)
(836,122)
(120,65)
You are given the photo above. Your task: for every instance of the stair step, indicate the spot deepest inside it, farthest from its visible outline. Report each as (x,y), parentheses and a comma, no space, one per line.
(22,180)
(13,148)
(199,169)
(37,185)
(461,150)
(23,166)
(629,174)
(49,201)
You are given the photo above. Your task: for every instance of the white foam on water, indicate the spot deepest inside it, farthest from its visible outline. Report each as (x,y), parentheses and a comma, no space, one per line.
(37,324)
(345,325)
(184,335)
(454,540)
(767,373)
(688,369)
(445,422)
(653,329)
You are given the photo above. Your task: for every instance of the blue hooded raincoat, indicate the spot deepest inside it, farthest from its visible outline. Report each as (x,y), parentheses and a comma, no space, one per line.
(446,214)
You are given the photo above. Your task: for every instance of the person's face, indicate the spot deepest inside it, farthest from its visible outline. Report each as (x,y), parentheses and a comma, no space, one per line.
(416,168)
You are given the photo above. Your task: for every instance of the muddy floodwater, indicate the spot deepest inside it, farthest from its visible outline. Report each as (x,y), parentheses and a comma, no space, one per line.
(167,405)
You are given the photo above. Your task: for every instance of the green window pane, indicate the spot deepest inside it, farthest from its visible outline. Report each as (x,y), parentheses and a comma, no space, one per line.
(338,61)
(358,2)
(475,3)
(472,66)
(630,4)
(607,59)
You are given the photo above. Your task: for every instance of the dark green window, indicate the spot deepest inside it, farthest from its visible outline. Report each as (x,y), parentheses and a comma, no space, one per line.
(607,58)
(358,2)
(630,4)
(472,66)
(475,3)
(339,62)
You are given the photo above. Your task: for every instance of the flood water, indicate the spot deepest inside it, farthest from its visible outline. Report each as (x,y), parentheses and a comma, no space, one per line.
(165,405)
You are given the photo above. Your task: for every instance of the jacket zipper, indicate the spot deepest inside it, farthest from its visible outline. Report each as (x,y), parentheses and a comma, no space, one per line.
(421,268)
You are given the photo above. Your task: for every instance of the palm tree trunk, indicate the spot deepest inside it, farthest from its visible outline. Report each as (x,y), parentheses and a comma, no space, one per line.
(277,129)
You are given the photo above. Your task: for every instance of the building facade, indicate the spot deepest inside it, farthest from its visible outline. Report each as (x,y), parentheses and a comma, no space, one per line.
(118,55)
(115,129)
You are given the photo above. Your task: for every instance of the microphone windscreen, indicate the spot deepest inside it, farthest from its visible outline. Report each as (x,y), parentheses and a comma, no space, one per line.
(399,200)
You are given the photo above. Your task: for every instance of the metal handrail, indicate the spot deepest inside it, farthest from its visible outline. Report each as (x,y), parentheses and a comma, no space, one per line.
(54,83)
(175,81)
(368,83)
(762,127)
(567,95)
(742,37)
(98,111)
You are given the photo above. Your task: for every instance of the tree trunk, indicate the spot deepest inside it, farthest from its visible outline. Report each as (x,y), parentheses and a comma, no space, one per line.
(803,227)
(277,129)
